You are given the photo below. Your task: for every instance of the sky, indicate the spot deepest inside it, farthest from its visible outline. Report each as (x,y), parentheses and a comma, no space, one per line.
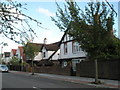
(119,20)
(42,10)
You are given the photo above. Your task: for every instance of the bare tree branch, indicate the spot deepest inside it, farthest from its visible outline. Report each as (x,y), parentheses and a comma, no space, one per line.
(11,17)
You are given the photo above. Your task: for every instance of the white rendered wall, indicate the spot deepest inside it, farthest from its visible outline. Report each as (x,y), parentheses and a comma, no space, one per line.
(69,53)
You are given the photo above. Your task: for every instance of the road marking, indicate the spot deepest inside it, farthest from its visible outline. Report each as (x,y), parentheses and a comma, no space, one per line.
(34,87)
(37,88)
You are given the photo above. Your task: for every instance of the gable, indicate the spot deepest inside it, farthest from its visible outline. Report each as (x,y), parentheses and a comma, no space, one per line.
(66,38)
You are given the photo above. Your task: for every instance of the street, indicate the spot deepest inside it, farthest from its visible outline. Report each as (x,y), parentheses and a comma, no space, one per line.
(26,80)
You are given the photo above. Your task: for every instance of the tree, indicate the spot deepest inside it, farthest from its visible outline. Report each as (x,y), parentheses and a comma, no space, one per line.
(31,50)
(14,61)
(11,17)
(92,28)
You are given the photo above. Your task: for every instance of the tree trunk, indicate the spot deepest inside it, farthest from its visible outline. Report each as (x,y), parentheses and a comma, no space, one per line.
(96,71)
(32,68)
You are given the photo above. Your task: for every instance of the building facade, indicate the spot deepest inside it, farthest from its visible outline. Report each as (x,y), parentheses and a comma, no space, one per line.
(70,52)
(50,51)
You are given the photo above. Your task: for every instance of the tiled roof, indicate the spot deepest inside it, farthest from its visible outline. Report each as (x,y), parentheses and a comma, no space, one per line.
(52,47)
(21,50)
(14,51)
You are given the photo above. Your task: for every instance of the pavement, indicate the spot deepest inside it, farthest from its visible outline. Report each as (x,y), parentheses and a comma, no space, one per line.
(82,80)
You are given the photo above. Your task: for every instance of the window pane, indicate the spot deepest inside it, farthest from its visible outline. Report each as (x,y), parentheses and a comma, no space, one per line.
(76,47)
(65,48)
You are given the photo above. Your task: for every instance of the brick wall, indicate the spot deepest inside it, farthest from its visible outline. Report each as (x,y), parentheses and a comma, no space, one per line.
(16,68)
(55,69)
(106,68)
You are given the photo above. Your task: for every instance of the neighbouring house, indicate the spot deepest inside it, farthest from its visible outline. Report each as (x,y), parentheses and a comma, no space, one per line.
(50,52)
(6,57)
(20,54)
(13,53)
(70,52)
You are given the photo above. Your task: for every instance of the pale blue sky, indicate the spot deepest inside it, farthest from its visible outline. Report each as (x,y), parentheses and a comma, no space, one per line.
(42,12)
(119,20)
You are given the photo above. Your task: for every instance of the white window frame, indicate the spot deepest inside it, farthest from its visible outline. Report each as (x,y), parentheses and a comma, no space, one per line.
(65,48)
(76,47)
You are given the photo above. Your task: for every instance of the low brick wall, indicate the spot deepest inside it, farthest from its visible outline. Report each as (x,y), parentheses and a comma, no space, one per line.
(17,68)
(55,69)
(106,69)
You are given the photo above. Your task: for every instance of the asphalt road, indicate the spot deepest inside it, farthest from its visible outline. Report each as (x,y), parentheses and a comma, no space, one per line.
(35,82)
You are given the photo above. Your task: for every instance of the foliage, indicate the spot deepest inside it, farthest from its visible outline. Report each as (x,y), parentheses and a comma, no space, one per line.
(14,24)
(112,49)
(92,28)
(14,61)
(31,50)
(23,63)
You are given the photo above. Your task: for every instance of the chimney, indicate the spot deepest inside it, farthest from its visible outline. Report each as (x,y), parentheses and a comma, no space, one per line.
(45,40)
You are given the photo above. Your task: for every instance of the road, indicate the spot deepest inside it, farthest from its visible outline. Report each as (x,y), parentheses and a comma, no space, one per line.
(26,80)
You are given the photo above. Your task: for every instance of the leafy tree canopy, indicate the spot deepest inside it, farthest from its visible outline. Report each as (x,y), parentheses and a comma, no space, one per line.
(92,28)
(31,50)
(14,61)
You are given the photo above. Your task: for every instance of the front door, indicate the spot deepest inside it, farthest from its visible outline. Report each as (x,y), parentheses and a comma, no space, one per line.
(73,68)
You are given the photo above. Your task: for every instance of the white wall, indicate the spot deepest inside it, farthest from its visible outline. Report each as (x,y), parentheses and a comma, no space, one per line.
(11,54)
(6,59)
(56,55)
(48,53)
(69,53)
(18,53)
(38,57)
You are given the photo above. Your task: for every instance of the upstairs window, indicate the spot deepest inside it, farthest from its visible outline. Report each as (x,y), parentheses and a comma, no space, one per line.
(65,48)
(76,47)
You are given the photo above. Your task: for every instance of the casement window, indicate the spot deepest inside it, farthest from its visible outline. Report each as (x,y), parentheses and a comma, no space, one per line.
(65,48)
(76,47)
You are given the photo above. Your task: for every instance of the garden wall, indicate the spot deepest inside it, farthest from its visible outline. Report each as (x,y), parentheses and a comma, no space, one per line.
(55,69)
(108,69)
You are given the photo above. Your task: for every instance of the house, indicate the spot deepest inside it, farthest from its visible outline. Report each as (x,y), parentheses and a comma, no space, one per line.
(47,52)
(13,52)
(20,54)
(6,57)
(70,52)
(50,52)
